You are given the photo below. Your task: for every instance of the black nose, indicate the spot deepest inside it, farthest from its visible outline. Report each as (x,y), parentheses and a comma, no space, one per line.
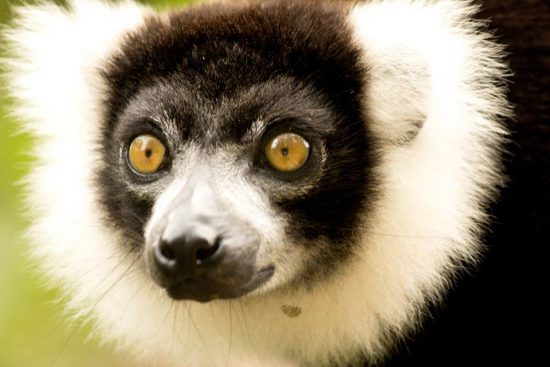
(199,251)
(205,267)
(184,256)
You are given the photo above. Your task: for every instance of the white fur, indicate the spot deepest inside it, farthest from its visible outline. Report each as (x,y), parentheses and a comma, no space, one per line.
(426,59)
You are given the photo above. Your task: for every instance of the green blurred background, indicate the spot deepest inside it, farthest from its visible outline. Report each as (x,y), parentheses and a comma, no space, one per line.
(33,331)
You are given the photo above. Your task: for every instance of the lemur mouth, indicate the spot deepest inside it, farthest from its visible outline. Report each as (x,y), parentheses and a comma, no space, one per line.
(204,289)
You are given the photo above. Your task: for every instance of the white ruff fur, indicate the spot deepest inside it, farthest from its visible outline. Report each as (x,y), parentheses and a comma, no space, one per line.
(428,63)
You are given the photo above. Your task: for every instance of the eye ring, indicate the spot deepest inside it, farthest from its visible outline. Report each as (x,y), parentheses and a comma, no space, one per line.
(146,154)
(287,152)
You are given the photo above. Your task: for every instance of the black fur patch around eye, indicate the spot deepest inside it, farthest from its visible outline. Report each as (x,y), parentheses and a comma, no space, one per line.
(207,55)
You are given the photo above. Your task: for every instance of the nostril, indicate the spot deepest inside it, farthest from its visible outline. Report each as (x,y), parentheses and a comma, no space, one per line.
(165,257)
(167,252)
(206,251)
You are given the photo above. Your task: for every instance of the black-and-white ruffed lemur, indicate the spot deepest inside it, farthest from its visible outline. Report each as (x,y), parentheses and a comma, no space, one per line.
(277,183)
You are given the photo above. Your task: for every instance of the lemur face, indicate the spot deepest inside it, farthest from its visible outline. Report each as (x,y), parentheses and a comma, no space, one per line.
(311,172)
(259,135)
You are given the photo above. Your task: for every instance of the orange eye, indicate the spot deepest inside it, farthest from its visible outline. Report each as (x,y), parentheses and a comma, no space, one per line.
(287,152)
(146,154)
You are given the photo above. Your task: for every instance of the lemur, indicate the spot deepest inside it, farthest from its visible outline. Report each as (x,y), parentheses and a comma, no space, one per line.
(260,183)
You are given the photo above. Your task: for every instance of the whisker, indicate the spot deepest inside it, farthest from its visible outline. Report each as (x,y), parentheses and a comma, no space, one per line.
(161,325)
(64,346)
(181,324)
(77,327)
(366,230)
(230,333)
(61,321)
(198,333)
(130,299)
(174,325)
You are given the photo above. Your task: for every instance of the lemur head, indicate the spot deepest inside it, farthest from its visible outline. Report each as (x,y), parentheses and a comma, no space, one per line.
(313,169)
(231,136)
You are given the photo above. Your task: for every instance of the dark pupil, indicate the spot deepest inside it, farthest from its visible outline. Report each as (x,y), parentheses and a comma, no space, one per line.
(148,153)
(284,152)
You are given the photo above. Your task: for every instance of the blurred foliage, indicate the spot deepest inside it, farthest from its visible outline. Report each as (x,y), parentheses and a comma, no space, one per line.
(33,331)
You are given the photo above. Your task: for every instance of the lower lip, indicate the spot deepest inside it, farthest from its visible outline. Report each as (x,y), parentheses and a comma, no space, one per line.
(195,290)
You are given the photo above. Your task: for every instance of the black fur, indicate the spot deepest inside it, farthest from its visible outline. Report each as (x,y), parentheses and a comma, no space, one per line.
(215,70)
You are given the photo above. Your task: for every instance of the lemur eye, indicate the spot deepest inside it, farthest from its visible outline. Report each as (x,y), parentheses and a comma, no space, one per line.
(146,154)
(287,152)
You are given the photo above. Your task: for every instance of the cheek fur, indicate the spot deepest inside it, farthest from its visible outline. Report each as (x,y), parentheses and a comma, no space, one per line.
(125,211)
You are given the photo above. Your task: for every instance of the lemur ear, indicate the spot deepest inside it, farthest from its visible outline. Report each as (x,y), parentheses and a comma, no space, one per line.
(398,84)
(397,97)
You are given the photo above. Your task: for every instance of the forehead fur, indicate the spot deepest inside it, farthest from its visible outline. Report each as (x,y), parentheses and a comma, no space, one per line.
(222,49)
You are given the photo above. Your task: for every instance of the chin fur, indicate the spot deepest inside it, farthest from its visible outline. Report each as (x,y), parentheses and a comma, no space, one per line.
(439,167)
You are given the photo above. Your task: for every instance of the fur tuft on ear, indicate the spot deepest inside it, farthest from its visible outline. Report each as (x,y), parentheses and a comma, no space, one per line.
(420,56)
